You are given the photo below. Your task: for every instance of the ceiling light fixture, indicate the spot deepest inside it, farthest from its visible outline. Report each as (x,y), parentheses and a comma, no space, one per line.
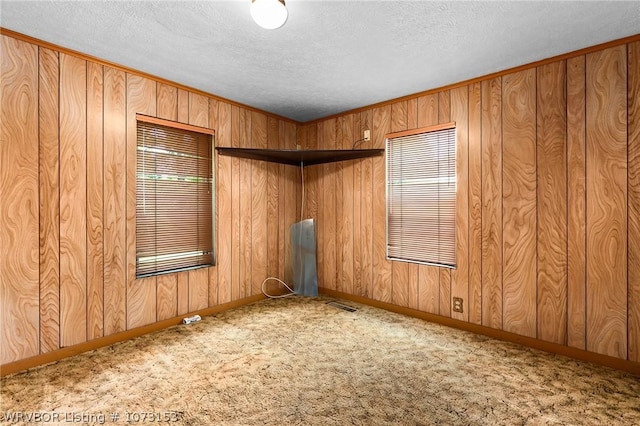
(269,14)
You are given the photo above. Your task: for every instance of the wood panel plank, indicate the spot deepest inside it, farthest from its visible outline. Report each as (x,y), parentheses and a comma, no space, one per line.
(358,287)
(339,211)
(167,102)
(235,205)
(320,189)
(367,210)
(49,200)
(199,279)
(73,199)
(19,259)
(115,201)
(428,276)
(552,203)
(311,176)
(399,270)
(183,106)
(576,203)
(429,289)
(444,116)
(198,289)
(519,202)
(460,275)
(492,203)
(633,105)
(224,205)
(167,287)
(606,95)
(329,208)
(245,204)
(141,294)
(213,273)
(183,292)
(259,226)
(198,110)
(281,207)
(414,268)
(292,198)
(382,277)
(475,204)
(95,208)
(273,134)
(347,231)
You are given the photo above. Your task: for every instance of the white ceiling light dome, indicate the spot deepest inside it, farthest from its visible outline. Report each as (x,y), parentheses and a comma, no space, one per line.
(269,14)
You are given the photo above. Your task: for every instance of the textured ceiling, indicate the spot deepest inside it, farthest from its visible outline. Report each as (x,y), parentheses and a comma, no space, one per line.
(330,56)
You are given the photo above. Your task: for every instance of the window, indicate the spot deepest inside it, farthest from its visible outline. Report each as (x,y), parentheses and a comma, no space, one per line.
(174,197)
(421,195)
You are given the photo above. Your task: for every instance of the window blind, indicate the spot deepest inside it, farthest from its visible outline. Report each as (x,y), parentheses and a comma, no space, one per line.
(421,196)
(174,200)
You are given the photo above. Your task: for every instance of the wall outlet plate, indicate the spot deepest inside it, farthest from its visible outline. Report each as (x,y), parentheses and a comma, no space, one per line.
(367,135)
(458,304)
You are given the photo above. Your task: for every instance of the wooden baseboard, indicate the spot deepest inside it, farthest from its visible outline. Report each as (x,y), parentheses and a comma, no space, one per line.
(69,351)
(579,354)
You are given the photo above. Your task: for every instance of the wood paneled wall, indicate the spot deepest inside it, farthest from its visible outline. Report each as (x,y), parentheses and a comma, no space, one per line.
(548,219)
(67,209)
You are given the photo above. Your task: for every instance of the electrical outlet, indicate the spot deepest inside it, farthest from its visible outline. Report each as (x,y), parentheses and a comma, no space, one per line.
(457,304)
(367,135)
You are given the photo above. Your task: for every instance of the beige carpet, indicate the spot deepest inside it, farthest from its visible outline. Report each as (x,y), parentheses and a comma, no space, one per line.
(299,361)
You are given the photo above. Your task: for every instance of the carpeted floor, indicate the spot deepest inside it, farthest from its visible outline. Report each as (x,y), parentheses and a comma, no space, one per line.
(299,361)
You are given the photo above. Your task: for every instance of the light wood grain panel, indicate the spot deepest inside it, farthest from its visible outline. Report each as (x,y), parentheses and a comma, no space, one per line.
(235,206)
(198,110)
(444,116)
(292,198)
(183,292)
(347,231)
(358,287)
(552,203)
(382,277)
(428,110)
(273,134)
(115,199)
(329,208)
(214,122)
(259,226)
(491,203)
(519,202)
(367,210)
(428,276)
(281,207)
(429,289)
(339,212)
(199,279)
(322,281)
(413,289)
(167,297)
(311,176)
(576,203)
(460,275)
(183,106)
(141,294)
(633,120)
(198,289)
(167,102)
(475,204)
(606,95)
(73,199)
(49,200)
(399,270)
(95,208)
(19,261)
(224,203)
(245,202)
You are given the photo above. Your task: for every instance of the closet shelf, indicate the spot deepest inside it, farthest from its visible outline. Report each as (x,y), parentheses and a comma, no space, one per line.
(296,157)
